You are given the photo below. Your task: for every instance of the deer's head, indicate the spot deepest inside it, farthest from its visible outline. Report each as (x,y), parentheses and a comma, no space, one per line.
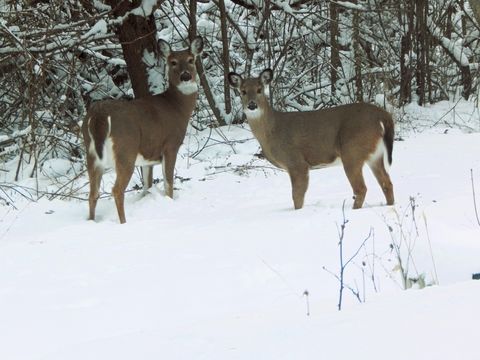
(252,92)
(181,65)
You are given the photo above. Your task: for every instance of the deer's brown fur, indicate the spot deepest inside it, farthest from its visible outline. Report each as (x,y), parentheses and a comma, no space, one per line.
(355,134)
(145,131)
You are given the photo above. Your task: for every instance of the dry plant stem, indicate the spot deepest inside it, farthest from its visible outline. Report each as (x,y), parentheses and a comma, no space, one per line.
(341,235)
(70,181)
(371,264)
(431,250)
(307,301)
(343,263)
(8,200)
(407,237)
(474,197)
(16,188)
(396,248)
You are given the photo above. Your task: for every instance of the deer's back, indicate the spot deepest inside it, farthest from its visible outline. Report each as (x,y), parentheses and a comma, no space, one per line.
(146,123)
(317,137)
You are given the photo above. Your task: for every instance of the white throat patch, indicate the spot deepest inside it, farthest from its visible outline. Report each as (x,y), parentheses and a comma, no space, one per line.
(187,88)
(253,114)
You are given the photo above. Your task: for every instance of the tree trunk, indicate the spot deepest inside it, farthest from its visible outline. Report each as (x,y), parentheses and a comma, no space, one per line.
(465,70)
(466,76)
(334,49)
(225,57)
(405,55)
(421,49)
(201,71)
(136,34)
(475,5)
(357,55)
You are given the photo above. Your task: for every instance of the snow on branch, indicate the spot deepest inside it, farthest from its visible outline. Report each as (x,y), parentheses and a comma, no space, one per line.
(99,28)
(454,48)
(350,5)
(113,61)
(101,6)
(284,5)
(145,9)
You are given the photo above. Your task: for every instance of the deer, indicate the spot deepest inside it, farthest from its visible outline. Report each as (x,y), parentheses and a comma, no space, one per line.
(297,142)
(146,131)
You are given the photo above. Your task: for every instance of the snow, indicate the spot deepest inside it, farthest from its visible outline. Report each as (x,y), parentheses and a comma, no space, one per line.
(350,5)
(107,59)
(56,168)
(100,27)
(220,271)
(205,25)
(99,5)
(455,48)
(284,5)
(145,9)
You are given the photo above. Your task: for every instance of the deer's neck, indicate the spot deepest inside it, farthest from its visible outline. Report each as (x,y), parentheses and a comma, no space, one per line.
(185,103)
(261,118)
(261,122)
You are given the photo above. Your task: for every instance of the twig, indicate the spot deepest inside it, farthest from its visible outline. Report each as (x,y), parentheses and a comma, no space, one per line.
(306,293)
(431,250)
(352,290)
(343,263)
(474,197)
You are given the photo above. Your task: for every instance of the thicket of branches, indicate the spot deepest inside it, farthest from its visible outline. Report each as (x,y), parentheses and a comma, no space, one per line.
(58,56)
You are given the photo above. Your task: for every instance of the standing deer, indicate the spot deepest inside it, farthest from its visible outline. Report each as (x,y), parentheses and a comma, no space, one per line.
(352,134)
(142,132)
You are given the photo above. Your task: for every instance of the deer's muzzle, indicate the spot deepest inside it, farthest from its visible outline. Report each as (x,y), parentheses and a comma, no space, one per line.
(252,105)
(186,76)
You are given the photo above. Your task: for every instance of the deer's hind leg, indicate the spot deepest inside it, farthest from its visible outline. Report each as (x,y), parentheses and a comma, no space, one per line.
(353,169)
(124,169)
(378,168)
(95,174)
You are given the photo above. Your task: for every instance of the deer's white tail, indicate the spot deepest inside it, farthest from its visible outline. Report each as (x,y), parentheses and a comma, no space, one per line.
(101,145)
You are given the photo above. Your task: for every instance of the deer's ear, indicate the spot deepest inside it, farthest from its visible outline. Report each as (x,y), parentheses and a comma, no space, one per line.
(164,48)
(196,47)
(234,80)
(266,76)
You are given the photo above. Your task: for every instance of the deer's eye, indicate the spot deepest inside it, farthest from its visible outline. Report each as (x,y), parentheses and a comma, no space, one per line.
(173,62)
(244,92)
(259,90)
(190,61)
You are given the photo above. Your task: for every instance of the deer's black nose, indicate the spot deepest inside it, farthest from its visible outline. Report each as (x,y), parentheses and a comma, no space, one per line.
(186,76)
(252,106)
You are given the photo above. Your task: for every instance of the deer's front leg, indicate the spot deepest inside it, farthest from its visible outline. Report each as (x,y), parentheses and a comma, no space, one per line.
(168,167)
(299,179)
(147,177)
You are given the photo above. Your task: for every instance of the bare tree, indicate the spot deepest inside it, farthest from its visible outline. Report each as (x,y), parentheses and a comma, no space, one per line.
(334,47)
(421,7)
(357,56)
(136,34)
(475,5)
(406,72)
(225,56)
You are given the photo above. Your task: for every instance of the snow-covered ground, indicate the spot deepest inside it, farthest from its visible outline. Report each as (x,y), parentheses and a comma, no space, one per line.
(223,270)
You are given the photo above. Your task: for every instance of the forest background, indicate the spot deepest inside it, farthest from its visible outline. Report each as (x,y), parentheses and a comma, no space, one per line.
(56,57)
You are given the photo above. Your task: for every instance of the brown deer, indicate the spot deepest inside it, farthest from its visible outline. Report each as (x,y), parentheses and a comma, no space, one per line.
(352,134)
(142,132)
